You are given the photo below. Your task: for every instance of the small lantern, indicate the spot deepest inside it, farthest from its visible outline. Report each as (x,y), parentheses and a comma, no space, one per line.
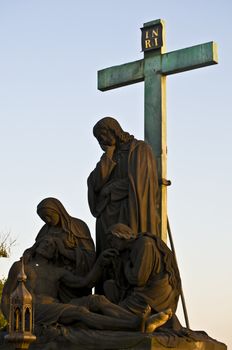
(21,315)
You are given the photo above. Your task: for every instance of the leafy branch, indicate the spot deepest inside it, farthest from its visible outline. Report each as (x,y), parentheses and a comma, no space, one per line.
(6,243)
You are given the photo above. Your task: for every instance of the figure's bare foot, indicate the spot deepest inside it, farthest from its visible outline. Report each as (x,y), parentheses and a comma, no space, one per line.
(146,313)
(157,320)
(144,316)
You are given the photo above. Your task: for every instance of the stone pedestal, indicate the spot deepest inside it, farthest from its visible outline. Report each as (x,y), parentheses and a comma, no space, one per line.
(149,342)
(153,344)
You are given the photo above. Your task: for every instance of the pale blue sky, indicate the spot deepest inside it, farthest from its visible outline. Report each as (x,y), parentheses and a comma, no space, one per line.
(50,51)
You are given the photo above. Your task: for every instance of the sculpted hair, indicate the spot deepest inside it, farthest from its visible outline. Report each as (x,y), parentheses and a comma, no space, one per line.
(114,126)
(122,231)
(169,262)
(32,251)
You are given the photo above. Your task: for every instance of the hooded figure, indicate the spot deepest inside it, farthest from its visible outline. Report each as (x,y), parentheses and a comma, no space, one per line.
(76,251)
(124,185)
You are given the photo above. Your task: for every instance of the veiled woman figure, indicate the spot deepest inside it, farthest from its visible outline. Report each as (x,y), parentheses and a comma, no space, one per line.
(76,251)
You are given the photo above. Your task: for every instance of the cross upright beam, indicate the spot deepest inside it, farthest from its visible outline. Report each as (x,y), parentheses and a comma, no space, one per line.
(153,69)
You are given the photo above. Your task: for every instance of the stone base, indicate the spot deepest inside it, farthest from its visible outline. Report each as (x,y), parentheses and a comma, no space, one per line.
(185,345)
(148,343)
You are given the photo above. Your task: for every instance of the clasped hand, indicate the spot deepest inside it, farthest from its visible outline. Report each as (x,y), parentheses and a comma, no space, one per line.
(106,256)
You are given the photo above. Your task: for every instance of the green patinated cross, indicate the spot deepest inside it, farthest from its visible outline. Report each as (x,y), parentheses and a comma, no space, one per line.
(153,70)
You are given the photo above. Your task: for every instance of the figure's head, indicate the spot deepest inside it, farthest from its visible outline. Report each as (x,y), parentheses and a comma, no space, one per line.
(120,236)
(52,212)
(47,248)
(49,216)
(108,131)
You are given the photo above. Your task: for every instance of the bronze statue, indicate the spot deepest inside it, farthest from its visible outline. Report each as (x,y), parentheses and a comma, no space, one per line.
(143,272)
(141,290)
(124,185)
(93,311)
(135,269)
(76,248)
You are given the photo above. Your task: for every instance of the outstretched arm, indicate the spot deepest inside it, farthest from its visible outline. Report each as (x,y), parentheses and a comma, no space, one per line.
(80,282)
(93,276)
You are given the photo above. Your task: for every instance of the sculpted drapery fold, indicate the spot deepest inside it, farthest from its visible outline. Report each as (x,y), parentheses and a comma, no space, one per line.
(123,187)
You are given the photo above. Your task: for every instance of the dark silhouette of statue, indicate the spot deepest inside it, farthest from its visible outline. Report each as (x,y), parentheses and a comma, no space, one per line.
(93,311)
(76,251)
(141,294)
(143,271)
(124,185)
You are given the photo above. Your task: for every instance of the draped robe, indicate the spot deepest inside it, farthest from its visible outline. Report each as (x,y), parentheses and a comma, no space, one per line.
(125,190)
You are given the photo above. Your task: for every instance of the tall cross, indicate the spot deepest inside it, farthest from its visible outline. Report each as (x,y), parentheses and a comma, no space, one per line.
(153,69)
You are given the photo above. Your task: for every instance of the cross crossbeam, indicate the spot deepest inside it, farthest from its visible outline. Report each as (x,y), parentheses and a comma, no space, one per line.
(172,62)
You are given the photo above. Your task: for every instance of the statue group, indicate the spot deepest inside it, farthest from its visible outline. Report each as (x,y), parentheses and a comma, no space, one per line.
(135,274)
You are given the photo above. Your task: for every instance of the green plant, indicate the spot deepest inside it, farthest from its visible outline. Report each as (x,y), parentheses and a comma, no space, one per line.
(3,321)
(5,244)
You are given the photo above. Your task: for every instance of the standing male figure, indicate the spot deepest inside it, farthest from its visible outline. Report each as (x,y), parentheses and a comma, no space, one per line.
(124,185)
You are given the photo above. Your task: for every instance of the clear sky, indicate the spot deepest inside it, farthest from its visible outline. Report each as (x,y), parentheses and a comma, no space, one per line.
(50,52)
